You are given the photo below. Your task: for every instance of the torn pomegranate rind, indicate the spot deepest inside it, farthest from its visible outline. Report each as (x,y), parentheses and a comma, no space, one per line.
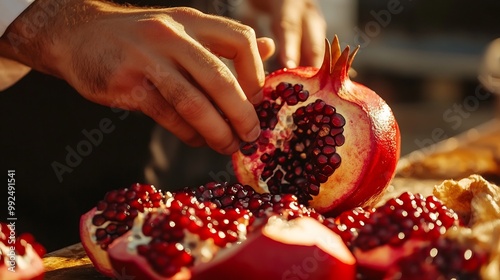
(477,202)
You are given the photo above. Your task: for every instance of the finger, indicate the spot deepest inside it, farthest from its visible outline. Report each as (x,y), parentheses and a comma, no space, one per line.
(156,107)
(287,29)
(313,37)
(266,47)
(197,111)
(237,42)
(217,81)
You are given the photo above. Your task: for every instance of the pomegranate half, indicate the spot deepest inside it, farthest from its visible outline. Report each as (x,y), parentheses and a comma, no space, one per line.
(332,142)
(112,217)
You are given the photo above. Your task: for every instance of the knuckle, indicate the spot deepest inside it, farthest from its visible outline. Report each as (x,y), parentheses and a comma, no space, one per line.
(152,25)
(163,115)
(157,26)
(222,78)
(192,106)
(248,32)
(242,120)
(186,12)
(222,142)
(288,24)
(155,110)
(246,35)
(194,140)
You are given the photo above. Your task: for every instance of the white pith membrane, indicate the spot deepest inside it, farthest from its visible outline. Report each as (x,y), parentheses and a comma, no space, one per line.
(275,225)
(96,254)
(202,251)
(383,257)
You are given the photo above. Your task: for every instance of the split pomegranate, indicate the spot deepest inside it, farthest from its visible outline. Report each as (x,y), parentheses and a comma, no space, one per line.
(20,257)
(330,141)
(171,239)
(112,217)
(443,258)
(220,230)
(409,237)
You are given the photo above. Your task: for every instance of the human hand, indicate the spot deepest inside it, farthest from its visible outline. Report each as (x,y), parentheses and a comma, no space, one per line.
(163,62)
(299,29)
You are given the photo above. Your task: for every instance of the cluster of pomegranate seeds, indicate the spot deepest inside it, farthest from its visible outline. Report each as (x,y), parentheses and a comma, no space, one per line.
(243,197)
(267,113)
(115,214)
(226,195)
(291,94)
(405,217)
(171,248)
(414,220)
(347,224)
(457,260)
(443,258)
(310,156)
(284,93)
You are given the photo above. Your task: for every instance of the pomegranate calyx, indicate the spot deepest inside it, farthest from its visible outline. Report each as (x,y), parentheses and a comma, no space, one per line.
(336,64)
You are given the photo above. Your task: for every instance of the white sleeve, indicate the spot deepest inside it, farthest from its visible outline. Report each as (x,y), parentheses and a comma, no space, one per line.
(10,10)
(11,71)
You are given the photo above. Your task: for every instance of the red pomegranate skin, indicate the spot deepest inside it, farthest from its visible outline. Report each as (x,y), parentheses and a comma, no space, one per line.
(368,156)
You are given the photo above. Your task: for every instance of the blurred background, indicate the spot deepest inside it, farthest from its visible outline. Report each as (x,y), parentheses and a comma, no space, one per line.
(421,56)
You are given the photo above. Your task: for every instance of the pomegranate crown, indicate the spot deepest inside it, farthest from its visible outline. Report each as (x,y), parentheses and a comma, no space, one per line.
(336,63)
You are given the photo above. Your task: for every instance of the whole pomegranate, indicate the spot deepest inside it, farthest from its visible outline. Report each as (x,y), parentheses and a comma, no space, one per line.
(332,142)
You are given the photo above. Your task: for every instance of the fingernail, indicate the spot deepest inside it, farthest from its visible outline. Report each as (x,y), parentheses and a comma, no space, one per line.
(254,134)
(290,64)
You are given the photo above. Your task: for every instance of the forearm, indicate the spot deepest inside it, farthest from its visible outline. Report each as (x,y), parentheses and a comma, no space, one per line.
(39,36)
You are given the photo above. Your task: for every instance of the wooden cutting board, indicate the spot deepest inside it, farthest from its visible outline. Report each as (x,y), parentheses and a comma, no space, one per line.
(70,263)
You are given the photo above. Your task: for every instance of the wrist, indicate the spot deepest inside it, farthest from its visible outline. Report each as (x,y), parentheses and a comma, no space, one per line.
(40,37)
